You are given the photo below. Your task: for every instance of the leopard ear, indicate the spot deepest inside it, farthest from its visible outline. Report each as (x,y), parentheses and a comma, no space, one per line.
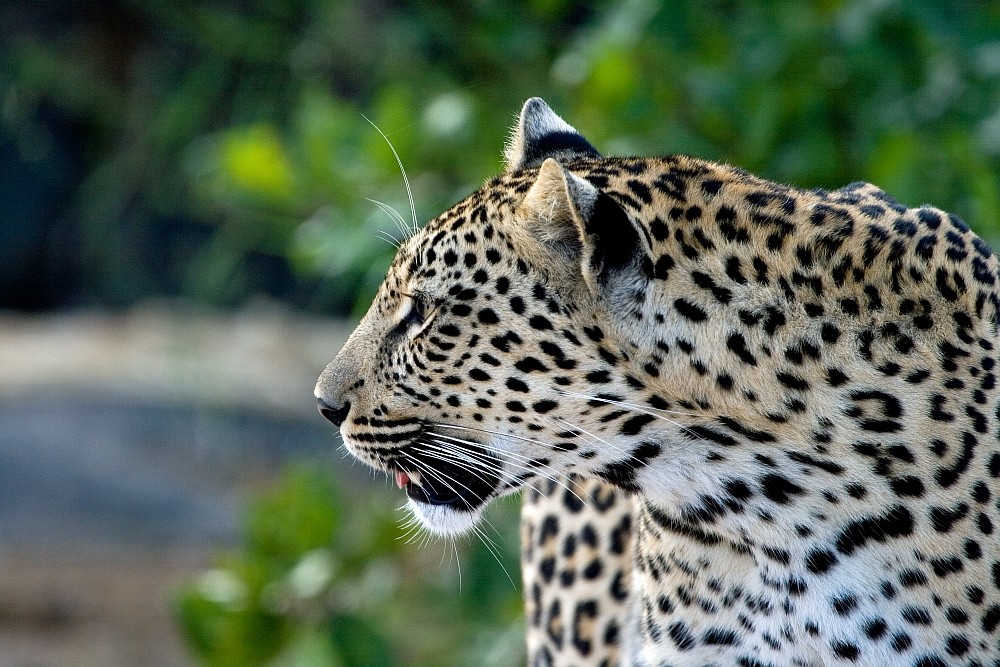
(541,134)
(571,215)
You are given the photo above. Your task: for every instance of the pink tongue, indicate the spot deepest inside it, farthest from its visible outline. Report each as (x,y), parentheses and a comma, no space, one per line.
(402,479)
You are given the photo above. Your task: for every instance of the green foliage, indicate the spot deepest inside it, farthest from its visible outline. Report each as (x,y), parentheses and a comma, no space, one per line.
(323,579)
(249,121)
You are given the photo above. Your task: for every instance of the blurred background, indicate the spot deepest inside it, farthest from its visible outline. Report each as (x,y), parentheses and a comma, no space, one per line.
(190,223)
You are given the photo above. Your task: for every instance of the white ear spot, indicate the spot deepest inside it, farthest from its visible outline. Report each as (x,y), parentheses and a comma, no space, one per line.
(539,134)
(538,120)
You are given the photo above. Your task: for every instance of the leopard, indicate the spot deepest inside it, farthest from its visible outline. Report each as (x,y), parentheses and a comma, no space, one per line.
(752,424)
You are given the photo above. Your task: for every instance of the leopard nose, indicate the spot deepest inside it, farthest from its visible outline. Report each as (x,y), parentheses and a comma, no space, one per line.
(335,415)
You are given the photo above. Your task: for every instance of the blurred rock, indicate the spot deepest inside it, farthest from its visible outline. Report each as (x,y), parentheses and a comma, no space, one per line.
(127,444)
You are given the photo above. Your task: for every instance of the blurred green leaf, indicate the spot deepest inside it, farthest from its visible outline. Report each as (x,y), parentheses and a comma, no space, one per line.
(254,159)
(323,578)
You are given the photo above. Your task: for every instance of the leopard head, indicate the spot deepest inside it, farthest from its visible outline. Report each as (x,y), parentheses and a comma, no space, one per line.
(467,378)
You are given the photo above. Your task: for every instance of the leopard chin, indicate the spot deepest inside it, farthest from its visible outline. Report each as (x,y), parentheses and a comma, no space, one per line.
(444,520)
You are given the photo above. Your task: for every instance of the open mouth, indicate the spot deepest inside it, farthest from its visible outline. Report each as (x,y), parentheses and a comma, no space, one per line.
(462,481)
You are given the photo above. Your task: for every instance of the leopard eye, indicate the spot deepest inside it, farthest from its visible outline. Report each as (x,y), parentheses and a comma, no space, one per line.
(416,313)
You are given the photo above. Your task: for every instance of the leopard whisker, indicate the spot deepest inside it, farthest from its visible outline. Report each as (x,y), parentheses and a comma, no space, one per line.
(655,412)
(388,238)
(556,477)
(496,433)
(452,454)
(614,447)
(510,455)
(458,563)
(411,526)
(447,479)
(406,180)
(471,458)
(462,461)
(530,440)
(652,412)
(499,434)
(494,551)
(436,475)
(415,529)
(394,216)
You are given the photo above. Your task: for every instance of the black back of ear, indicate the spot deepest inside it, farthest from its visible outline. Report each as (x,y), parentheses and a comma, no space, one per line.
(615,240)
(567,146)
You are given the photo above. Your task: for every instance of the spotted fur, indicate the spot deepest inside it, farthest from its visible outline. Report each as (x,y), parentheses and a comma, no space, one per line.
(757,425)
